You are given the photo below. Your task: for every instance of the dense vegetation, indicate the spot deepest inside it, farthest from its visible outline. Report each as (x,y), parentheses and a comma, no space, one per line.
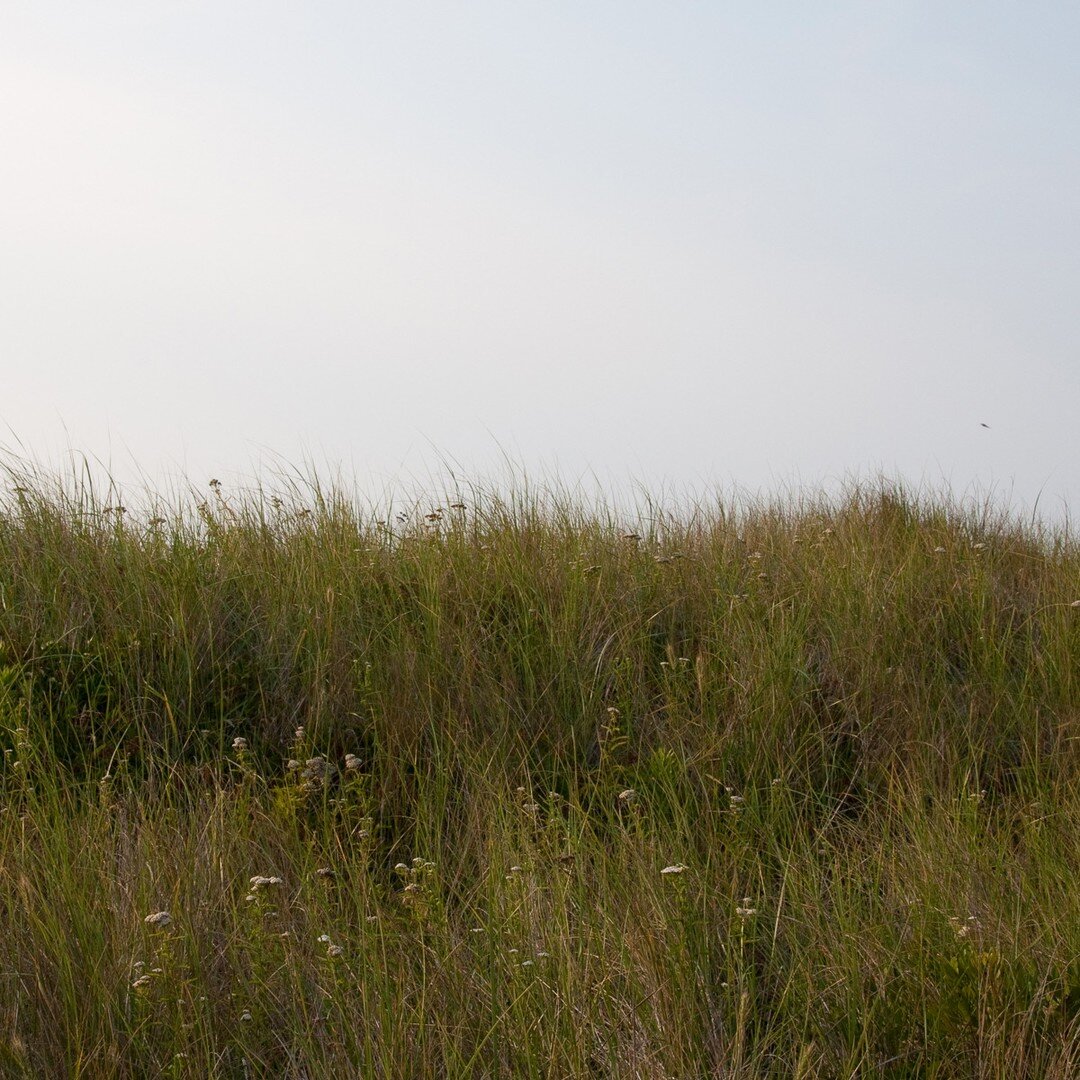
(507,787)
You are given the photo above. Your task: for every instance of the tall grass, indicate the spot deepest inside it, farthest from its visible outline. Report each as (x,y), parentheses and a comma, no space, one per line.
(512,786)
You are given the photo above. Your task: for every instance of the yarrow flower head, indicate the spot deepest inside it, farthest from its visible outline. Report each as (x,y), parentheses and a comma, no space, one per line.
(260,882)
(675,868)
(239,744)
(159,920)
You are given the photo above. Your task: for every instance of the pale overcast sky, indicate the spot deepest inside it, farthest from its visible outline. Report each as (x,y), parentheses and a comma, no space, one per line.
(691,243)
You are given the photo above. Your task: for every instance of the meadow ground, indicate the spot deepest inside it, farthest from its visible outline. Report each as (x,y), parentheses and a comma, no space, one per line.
(508,787)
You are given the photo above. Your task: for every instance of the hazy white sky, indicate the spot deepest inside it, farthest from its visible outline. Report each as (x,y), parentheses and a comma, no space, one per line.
(691,243)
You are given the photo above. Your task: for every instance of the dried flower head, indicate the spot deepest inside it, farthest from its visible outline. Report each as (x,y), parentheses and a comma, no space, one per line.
(261,882)
(159,920)
(239,744)
(675,868)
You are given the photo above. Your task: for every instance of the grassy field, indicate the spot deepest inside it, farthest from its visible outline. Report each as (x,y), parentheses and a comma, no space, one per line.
(505,787)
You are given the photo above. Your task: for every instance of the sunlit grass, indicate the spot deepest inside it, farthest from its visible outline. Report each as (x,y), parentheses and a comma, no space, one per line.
(515,786)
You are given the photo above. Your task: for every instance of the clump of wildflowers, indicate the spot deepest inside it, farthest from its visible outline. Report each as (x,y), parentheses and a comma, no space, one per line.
(315,774)
(419,892)
(261,882)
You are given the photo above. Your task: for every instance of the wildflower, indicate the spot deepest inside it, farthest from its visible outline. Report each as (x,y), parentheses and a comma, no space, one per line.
(159,920)
(962,929)
(324,938)
(325,871)
(260,882)
(334,951)
(675,868)
(239,744)
(628,795)
(1075,603)
(299,733)
(352,763)
(140,982)
(530,807)
(939,550)
(245,1017)
(746,910)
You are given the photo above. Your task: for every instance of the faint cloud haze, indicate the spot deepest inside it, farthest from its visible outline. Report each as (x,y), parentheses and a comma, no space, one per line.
(683,244)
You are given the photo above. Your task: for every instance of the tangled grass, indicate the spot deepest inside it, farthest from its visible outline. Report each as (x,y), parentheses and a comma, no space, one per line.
(509,787)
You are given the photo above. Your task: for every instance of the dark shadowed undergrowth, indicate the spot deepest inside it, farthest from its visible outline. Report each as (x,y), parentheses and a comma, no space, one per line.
(509,786)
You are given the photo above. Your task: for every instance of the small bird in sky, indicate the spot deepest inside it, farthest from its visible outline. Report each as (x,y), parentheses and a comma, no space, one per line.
(981,424)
